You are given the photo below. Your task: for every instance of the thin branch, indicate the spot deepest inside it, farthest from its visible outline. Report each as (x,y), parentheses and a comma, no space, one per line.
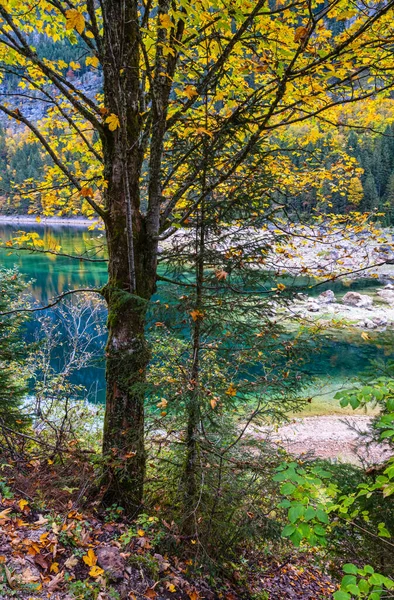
(53,302)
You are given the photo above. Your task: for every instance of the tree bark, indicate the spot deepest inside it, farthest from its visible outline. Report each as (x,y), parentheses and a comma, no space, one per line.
(132,254)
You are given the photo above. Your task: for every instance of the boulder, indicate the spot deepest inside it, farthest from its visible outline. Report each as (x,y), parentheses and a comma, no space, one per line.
(358,300)
(368,324)
(327,297)
(380,321)
(109,559)
(387,295)
(313,306)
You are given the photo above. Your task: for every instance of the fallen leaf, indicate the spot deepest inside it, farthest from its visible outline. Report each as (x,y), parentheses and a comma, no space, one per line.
(40,560)
(10,578)
(71,562)
(22,504)
(41,520)
(96,571)
(55,582)
(4,513)
(54,568)
(29,577)
(90,558)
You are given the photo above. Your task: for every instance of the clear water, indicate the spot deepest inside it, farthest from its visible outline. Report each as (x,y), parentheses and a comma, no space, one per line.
(340,357)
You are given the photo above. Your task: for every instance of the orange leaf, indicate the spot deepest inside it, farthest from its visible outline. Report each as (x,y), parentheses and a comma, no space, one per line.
(86,192)
(196,314)
(300,34)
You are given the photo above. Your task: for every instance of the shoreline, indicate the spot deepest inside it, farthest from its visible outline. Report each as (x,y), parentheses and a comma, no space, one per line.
(32,220)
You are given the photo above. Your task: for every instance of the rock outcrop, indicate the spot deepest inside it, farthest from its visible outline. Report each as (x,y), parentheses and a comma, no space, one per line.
(358,300)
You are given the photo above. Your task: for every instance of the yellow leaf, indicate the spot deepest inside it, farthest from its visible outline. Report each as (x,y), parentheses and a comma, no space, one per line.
(231,390)
(96,571)
(365,335)
(75,20)
(190,91)
(281,287)
(22,503)
(196,314)
(162,404)
(89,35)
(113,122)
(54,568)
(90,558)
(92,60)
(170,587)
(165,21)
(141,532)
(38,219)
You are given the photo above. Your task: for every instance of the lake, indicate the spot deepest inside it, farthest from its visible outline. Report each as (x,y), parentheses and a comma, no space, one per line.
(342,356)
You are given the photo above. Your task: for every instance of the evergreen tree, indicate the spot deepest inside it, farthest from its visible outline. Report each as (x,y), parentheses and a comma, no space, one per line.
(13,377)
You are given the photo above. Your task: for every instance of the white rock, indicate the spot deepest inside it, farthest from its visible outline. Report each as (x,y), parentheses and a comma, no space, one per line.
(387,295)
(356,299)
(313,306)
(327,297)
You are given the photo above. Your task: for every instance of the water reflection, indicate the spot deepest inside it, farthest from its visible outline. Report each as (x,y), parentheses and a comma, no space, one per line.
(336,358)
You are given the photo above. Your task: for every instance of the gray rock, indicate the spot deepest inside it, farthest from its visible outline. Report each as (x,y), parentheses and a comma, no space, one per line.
(109,559)
(368,324)
(387,295)
(313,306)
(380,321)
(358,300)
(327,297)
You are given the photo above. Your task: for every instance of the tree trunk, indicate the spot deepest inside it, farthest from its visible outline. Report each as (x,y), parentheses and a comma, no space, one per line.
(132,254)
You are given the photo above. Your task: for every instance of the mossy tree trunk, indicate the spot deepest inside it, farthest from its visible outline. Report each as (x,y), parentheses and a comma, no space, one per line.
(132,252)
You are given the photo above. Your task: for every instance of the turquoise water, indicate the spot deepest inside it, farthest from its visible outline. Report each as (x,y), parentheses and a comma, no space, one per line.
(339,357)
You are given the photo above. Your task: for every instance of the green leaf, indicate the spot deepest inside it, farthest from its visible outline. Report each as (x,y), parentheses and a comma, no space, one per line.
(287,488)
(341,595)
(353,589)
(350,568)
(363,585)
(296,538)
(295,512)
(348,580)
(322,516)
(288,530)
(319,530)
(309,513)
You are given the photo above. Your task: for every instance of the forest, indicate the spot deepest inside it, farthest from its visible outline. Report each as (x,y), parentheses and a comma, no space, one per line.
(197,299)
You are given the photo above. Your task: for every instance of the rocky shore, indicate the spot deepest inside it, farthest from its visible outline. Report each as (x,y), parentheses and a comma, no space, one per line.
(359,310)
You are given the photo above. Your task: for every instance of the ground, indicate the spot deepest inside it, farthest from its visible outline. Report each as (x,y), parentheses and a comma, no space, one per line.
(75,555)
